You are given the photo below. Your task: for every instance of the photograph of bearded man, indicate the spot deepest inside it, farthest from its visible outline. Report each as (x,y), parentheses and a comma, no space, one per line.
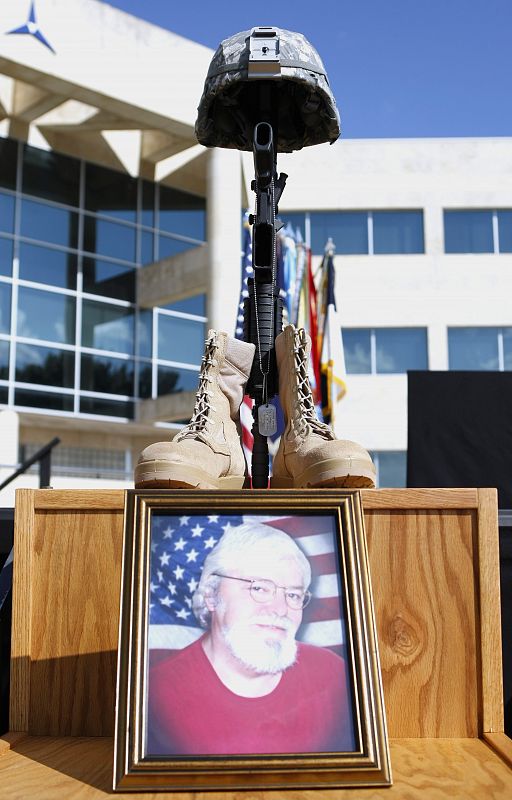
(247,685)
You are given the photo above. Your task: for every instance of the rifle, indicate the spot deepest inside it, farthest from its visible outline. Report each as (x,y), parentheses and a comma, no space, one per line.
(263,308)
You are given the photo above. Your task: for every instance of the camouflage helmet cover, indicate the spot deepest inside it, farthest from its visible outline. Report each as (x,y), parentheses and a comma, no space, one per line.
(229,107)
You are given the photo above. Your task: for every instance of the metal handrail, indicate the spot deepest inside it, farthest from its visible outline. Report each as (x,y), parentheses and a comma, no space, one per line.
(43,456)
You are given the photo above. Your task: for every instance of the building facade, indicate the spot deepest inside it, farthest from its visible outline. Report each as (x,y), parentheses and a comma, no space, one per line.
(120,246)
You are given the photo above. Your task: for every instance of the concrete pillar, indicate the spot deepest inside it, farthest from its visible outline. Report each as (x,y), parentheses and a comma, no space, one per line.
(224,203)
(9,438)
(9,447)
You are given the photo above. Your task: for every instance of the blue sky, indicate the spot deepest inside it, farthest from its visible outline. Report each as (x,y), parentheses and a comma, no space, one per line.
(397,68)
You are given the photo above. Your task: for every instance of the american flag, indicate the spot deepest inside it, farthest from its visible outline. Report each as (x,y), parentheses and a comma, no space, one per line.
(179,545)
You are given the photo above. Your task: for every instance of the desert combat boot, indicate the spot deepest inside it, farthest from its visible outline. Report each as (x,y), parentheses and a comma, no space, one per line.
(206,453)
(309,455)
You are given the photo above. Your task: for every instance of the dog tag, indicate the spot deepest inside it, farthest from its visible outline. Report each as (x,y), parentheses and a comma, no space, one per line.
(267,420)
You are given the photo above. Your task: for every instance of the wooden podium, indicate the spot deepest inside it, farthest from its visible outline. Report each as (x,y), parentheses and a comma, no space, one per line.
(435,576)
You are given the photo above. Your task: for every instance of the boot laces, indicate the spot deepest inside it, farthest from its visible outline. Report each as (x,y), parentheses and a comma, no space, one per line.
(202,407)
(306,418)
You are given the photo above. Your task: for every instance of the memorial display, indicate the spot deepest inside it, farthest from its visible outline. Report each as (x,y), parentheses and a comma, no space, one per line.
(227,677)
(266,91)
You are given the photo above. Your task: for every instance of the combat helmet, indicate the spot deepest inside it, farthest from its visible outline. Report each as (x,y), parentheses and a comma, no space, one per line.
(247,64)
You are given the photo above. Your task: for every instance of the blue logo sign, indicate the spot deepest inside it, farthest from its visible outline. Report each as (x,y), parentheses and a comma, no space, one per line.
(32,28)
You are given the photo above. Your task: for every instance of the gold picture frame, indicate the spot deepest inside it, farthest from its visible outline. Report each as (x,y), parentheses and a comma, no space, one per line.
(181,722)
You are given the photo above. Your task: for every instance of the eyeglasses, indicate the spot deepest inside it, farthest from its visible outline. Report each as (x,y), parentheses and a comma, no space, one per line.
(263,591)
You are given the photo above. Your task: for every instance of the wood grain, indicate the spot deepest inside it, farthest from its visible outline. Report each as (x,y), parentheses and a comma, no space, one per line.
(423,769)
(437,622)
(396,499)
(490,612)
(76,571)
(423,587)
(501,744)
(63,499)
(22,596)
(372,498)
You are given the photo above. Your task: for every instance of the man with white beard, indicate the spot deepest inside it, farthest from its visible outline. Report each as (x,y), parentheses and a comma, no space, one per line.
(247,685)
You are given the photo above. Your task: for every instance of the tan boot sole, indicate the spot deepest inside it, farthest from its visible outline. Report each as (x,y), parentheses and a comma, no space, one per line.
(164,475)
(350,473)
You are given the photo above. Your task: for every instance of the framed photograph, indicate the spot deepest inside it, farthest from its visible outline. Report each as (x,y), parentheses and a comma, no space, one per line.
(247,648)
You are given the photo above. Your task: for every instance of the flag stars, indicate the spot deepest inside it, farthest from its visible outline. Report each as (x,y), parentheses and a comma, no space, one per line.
(188,602)
(183,613)
(227,527)
(209,543)
(166,601)
(160,575)
(192,556)
(164,559)
(178,573)
(171,587)
(154,545)
(213,518)
(153,587)
(192,584)
(180,544)
(197,531)
(168,532)
(184,520)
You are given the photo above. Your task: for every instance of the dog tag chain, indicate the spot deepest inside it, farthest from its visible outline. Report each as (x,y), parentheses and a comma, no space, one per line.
(267,419)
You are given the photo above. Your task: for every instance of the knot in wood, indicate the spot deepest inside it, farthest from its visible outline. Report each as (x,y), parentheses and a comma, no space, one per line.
(403,638)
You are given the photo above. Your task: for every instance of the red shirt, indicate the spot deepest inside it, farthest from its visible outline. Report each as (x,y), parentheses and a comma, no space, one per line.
(191,712)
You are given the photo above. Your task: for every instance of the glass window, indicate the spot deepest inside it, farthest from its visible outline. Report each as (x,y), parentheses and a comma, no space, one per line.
(401,349)
(468,232)
(109,279)
(45,265)
(357,348)
(110,192)
(180,339)
(145,380)
(6,253)
(109,375)
(109,239)
(147,212)
(4,360)
(51,175)
(45,315)
(5,308)
(8,161)
(505,231)
(145,334)
(49,223)
(4,395)
(191,305)
(392,468)
(147,247)
(507,348)
(107,327)
(45,365)
(347,229)
(6,212)
(54,401)
(106,408)
(473,348)
(167,246)
(182,213)
(173,379)
(397,232)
